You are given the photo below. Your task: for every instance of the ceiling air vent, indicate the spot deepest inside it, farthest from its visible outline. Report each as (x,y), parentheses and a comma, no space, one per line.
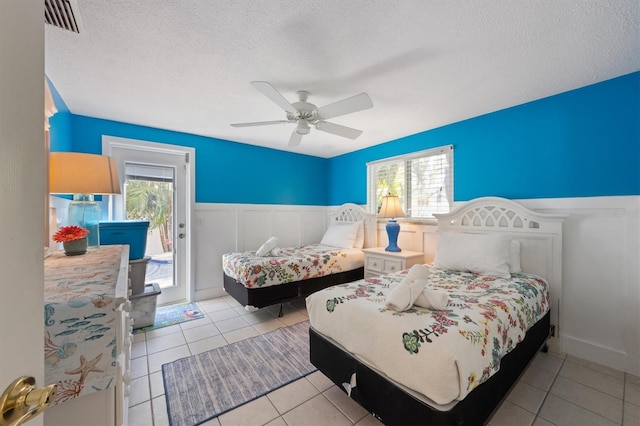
(62,14)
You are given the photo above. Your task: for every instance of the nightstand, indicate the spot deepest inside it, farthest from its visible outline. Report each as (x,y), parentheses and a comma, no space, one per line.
(377,261)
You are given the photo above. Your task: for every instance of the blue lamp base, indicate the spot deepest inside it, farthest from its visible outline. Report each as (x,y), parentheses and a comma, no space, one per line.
(84,212)
(393,229)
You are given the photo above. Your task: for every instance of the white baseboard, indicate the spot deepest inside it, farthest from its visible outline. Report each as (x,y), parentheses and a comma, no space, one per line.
(600,354)
(209,293)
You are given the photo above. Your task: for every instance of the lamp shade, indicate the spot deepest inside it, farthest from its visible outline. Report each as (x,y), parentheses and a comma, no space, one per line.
(78,173)
(391,207)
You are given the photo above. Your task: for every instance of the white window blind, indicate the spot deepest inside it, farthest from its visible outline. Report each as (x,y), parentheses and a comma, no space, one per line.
(423,180)
(135,171)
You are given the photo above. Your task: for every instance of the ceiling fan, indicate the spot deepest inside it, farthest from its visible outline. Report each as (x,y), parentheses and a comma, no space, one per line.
(304,113)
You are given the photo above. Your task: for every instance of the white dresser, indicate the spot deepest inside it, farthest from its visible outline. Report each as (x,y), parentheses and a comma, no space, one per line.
(88,336)
(377,261)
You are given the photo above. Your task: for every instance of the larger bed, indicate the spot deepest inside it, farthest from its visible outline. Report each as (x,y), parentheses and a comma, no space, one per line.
(454,365)
(258,281)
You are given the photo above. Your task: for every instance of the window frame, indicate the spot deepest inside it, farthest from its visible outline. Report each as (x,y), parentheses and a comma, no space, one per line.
(372,178)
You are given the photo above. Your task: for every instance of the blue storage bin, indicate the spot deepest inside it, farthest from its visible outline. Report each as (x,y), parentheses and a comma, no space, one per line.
(131,232)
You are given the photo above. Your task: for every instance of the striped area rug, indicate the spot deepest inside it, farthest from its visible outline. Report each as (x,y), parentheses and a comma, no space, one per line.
(203,386)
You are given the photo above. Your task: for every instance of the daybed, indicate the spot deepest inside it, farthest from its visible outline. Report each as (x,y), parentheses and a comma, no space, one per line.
(294,272)
(451,366)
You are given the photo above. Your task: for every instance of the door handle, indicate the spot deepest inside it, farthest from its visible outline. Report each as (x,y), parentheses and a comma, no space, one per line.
(22,401)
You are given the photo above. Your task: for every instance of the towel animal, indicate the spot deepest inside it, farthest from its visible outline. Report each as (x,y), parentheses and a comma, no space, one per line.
(432,299)
(411,291)
(402,296)
(266,248)
(276,251)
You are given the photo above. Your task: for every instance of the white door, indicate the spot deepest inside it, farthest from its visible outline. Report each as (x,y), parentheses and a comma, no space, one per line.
(22,191)
(164,170)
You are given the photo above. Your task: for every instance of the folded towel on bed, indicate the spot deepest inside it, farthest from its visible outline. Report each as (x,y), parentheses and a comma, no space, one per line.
(411,291)
(417,272)
(402,296)
(276,251)
(432,299)
(266,248)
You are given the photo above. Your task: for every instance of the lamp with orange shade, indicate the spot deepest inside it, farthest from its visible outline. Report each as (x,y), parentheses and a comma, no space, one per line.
(83,175)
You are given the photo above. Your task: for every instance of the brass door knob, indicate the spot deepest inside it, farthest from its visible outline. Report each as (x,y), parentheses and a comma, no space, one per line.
(22,401)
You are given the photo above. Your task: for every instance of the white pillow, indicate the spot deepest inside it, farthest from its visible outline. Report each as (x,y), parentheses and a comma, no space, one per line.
(486,254)
(514,257)
(266,248)
(359,243)
(340,235)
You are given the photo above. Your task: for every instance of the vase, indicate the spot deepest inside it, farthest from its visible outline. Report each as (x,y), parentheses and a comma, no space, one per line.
(75,247)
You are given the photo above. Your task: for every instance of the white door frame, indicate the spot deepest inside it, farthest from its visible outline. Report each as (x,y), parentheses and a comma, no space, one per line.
(109,142)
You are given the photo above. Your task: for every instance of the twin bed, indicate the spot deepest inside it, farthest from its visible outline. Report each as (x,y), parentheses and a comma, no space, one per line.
(450,366)
(295,272)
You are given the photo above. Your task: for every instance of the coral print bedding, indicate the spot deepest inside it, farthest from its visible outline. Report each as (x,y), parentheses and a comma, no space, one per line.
(291,264)
(441,354)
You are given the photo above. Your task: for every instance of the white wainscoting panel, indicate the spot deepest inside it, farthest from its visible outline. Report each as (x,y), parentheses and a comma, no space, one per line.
(215,234)
(313,226)
(286,225)
(601,283)
(255,229)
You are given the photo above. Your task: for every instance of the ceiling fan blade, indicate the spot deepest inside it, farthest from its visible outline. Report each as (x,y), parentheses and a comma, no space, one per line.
(259,123)
(270,92)
(337,129)
(295,139)
(345,106)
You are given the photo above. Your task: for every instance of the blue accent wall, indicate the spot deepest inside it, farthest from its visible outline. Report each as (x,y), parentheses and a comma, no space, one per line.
(581,143)
(226,172)
(60,123)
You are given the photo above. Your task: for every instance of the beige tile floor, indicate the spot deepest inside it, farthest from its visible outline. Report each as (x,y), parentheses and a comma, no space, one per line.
(555,389)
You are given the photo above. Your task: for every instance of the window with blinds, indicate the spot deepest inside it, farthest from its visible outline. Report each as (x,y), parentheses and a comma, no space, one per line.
(423,180)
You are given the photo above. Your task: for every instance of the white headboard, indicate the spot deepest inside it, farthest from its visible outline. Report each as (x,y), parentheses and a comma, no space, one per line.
(540,237)
(350,212)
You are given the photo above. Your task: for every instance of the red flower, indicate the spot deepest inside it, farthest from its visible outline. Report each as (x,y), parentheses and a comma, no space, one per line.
(70,233)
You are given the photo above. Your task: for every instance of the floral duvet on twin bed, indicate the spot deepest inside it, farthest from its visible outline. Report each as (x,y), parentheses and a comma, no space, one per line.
(292,264)
(441,354)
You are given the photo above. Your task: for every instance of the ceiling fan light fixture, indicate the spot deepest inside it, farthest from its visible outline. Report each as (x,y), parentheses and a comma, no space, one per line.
(303,127)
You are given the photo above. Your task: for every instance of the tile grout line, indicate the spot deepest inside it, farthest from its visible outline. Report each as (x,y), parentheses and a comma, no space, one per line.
(549,391)
(624,394)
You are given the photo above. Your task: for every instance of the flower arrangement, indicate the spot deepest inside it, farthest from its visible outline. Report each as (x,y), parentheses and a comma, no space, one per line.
(70,233)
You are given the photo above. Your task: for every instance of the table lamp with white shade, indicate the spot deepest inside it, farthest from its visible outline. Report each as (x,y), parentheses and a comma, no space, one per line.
(392,209)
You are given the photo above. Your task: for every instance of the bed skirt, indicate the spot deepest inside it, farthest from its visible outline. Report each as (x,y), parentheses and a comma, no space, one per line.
(259,297)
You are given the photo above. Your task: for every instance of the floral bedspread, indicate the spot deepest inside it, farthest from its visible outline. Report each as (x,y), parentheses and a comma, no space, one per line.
(294,264)
(442,355)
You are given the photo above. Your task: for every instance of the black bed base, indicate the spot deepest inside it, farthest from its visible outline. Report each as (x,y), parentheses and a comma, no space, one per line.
(260,297)
(393,406)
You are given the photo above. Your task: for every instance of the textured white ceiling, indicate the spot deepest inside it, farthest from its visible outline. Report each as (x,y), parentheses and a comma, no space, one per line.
(186,65)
